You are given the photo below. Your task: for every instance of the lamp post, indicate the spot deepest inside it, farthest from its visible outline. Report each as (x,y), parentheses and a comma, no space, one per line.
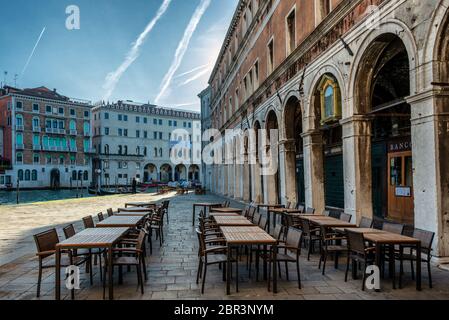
(98,171)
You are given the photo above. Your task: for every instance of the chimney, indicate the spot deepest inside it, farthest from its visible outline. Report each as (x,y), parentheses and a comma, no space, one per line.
(54,90)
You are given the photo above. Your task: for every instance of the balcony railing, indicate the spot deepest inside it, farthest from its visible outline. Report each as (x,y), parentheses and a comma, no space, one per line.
(37,129)
(55,131)
(55,148)
(19,128)
(73,149)
(73,132)
(86,133)
(20,146)
(90,150)
(37,147)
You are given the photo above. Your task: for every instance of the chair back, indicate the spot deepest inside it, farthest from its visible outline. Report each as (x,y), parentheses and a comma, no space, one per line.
(69,231)
(46,241)
(426,238)
(366,223)
(88,222)
(393,227)
(345,217)
(356,242)
(326,213)
(263,223)
(110,212)
(300,207)
(251,213)
(100,216)
(309,210)
(334,214)
(256,218)
(141,239)
(288,204)
(277,232)
(306,226)
(202,215)
(201,242)
(293,239)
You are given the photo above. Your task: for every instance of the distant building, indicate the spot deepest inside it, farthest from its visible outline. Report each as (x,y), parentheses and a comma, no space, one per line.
(206,124)
(45,139)
(135,141)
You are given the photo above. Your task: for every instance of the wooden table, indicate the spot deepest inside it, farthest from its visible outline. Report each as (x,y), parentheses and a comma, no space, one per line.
(233,221)
(282,211)
(120,221)
(391,239)
(127,214)
(140,204)
(329,222)
(93,238)
(226,210)
(204,205)
(238,236)
(359,230)
(135,209)
(223,214)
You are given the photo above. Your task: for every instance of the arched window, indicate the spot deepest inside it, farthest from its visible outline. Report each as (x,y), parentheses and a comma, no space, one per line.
(138,151)
(72,125)
(160,152)
(120,149)
(20,175)
(330,99)
(126,150)
(80,175)
(74,175)
(19,157)
(86,175)
(19,120)
(27,175)
(106,149)
(34,175)
(145,151)
(155,152)
(36,122)
(86,127)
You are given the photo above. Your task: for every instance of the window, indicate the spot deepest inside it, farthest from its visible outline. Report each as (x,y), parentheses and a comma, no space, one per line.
(48,109)
(291,31)
(106,116)
(270,55)
(120,132)
(86,127)
(138,151)
(20,175)
(19,157)
(19,120)
(137,119)
(36,122)
(106,149)
(61,160)
(106,164)
(330,99)
(125,165)
(125,132)
(19,139)
(34,175)
(137,133)
(125,117)
(236,99)
(86,114)
(36,158)
(35,107)
(120,150)
(145,151)
(190,125)
(86,175)
(125,150)
(19,105)
(155,152)
(160,122)
(160,135)
(184,124)
(119,117)
(145,120)
(155,135)
(256,75)
(169,123)
(106,131)
(175,123)
(72,112)
(61,110)
(145,134)
(155,121)
(160,152)
(36,140)
(74,175)
(48,159)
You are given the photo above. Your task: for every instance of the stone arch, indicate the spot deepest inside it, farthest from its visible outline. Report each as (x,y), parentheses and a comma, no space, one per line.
(180,172)
(150,173)
(271,175)
(254,153)
(166,173)
(393,27)
(438,45)
(194,173)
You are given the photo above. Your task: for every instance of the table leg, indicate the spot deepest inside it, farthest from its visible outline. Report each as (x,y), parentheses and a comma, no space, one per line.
(275,269)
(110,280)
(228,271)
(265,271)
(58,275)
(378,258)
(268,220)
(193,216)
(418,267)
(392,266)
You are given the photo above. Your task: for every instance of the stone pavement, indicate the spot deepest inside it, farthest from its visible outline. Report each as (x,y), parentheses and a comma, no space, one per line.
(172,268)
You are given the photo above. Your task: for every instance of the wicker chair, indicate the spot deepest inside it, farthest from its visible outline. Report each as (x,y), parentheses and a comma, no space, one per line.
(46,248)
(88,222)
(329,245)
(345,217)
(366,223)
(393,227)
(311,236)
(110,212)
(358,252)
(309,210)
(100,216)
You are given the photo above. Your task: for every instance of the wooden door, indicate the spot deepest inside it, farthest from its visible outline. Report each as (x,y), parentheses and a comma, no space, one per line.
(400,187)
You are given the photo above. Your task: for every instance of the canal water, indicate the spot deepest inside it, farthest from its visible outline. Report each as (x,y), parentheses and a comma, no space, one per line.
(28,196)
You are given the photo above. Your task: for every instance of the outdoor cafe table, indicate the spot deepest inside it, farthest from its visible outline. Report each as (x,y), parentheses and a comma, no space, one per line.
(130,213)
(140,204)
(120,221)
(238,236)
(328,222)
(233,221)
(135,209)
(224,214)
(205,205)
(92,238)
(226,210)
(391,239)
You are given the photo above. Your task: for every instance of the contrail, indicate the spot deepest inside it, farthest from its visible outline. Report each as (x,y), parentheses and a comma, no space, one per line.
(191,71)
(32,52)
(196,76)
(182,47)
(113,78)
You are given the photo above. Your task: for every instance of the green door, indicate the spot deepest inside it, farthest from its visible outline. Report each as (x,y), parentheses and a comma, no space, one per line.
(379,176)
(333,186)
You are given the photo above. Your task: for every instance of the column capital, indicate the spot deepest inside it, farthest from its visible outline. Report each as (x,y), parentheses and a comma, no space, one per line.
(287,145)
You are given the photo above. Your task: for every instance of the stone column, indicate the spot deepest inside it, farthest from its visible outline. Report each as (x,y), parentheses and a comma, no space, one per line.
(357,166)
(287,166)
(256,179)
(430,147)
(246,185)
(314,170)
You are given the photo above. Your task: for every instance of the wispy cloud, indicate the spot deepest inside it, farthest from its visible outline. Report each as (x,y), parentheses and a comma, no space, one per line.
(113,78)
(196,76)
(182,47)
(32,52)
(191,71)
(179,105)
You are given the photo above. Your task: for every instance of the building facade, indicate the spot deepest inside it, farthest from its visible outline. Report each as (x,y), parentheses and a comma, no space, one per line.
(46,140)
(206,124)
(136,140)
(358,92)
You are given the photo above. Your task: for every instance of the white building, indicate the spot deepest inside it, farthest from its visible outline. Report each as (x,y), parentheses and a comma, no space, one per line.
(206,124)
(136,141)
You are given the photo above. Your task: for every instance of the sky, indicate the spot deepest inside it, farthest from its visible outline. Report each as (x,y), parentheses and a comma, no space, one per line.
(156,51)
